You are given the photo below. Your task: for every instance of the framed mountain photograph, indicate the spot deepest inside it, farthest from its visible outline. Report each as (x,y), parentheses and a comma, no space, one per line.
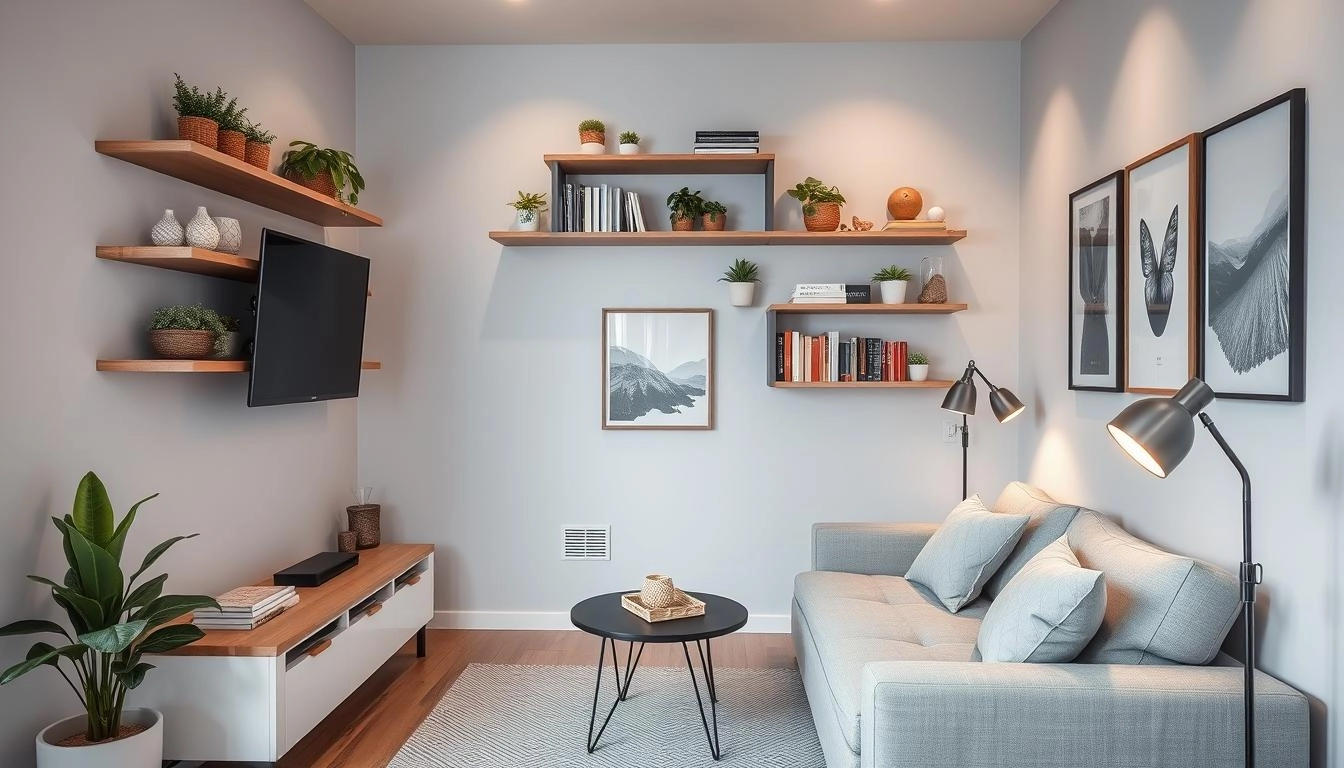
(1254,253)
(1096,250)
(657,369)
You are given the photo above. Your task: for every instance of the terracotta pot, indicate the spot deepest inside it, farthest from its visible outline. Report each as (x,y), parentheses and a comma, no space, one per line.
(321,183)
(682,223)
(826,219)
(715,224)
(201,130)
(233,144)
(258,154)
(182,345)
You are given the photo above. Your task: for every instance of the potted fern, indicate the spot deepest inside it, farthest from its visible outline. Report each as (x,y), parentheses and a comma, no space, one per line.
(685,206)
(113,623)
(821,204)
(325,171)
(257,151)
(198,112)
(629,143)
(892,281)
(918,363)
(592,137)
(529,206)
(713,216)
(188,332)
(741,278)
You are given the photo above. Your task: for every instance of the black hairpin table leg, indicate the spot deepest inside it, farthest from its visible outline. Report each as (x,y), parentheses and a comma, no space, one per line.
(622,688)
(706,661)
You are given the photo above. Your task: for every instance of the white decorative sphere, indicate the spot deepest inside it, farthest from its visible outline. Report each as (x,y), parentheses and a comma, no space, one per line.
(936,213)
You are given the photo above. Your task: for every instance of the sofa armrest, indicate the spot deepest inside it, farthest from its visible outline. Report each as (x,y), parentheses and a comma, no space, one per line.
(953,714)
(885,549)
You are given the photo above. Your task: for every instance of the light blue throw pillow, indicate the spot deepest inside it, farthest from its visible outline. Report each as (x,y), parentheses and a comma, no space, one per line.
(964,552)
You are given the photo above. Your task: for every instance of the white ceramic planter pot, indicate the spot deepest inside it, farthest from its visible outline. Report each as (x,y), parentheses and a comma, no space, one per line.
(742,294)
(629,149)
(528,221)
(893,291)
(592,148)
(919,372)
(143,750)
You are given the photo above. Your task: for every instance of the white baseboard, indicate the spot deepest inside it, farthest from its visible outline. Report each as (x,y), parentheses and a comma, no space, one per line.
(766,623)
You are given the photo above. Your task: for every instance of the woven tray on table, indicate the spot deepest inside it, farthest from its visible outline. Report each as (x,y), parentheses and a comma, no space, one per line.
(685,607)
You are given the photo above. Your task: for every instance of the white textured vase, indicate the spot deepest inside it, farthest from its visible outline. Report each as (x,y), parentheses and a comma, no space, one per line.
(592,148)
(742,294)
(528,221)
(918,372)
(893,291)
(201,231)
(629,149)
(230,234)
(142,750)
(168,231)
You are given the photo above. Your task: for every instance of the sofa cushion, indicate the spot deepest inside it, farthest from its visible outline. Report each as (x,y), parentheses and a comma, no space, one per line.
(1048,519)
(1160,607)
(1047,613)
(854,619)
(965,551)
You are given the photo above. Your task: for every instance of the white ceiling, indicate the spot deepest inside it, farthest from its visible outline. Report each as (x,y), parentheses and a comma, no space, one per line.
(465,22)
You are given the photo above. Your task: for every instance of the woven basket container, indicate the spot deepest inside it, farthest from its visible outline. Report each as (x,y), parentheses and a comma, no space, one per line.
(365,522)
(657,591)
(346,541)
(592,137)
(201,130)
(682,224)
(826,219)
(321,183)
(258,154)
(714,225)
(182,345)
(233,144)
(935,291)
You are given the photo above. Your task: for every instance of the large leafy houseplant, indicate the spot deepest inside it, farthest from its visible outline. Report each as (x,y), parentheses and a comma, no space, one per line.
(113,621)
(309,160)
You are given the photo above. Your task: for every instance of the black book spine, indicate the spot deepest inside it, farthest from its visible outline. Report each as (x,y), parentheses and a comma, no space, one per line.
(779,356)
(874,359)
(858,294)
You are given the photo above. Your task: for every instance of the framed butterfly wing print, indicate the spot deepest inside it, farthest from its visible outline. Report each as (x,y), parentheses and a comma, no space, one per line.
(1161,273)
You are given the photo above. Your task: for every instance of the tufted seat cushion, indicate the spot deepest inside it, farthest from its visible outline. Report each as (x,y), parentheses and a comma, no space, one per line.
(855,619)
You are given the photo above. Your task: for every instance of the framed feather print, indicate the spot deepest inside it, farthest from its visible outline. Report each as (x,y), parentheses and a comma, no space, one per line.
(1096,249)
(1161,322)
(1254,252)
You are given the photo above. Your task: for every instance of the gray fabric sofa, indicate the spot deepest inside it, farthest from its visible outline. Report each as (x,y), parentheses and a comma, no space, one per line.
(892,680)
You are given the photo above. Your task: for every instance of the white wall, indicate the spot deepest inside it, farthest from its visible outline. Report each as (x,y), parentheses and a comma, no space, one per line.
(262,487)
(483,432)
(1104,83)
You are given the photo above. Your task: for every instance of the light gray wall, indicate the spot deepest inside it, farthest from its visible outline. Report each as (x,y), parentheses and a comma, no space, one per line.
(262,487)
(1104,83)
(484,430)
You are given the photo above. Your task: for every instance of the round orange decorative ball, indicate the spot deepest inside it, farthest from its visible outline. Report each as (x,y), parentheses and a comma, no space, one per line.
(905,204)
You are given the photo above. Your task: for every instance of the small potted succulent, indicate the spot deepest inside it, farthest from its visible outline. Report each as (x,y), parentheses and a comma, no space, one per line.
(529,206)
(713,216)
(685,206)
(918,363)
(821,205)
(629,143)
(258,149)
(325,171)
(233,130)
(592,137)
(198,112)
(893,281)
(187,332)
(741,278)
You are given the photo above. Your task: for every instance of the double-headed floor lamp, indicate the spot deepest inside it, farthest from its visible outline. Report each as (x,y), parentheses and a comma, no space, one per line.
(1157,433)
(961,399)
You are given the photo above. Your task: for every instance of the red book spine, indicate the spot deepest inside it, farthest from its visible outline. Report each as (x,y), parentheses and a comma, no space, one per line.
(788,357)
(902,363)
(816,358)
(888,362)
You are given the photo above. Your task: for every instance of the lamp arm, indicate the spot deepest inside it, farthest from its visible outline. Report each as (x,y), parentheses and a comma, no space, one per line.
(988,383)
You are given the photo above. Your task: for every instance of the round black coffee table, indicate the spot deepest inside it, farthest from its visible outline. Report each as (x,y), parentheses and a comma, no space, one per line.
(603,616)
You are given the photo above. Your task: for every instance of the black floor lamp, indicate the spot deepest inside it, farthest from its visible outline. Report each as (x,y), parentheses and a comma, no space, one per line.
(1157,433)
(961,399)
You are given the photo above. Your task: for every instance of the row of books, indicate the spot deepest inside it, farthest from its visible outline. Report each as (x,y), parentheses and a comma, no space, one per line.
(246,608)
(832,293)
(727,142)
(827,358)
(600,208)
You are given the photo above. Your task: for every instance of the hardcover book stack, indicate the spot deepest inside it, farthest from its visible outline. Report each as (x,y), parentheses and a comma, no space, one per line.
(600,208)
(246,607)
(832,293)
(727,142)
(826,358)
(916,225)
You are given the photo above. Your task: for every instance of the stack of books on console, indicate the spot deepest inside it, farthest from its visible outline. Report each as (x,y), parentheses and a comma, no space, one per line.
(832,293)
(246,607)
(727,142)
(918,225)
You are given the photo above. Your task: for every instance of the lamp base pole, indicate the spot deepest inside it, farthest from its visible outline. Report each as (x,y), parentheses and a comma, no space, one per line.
(965,446)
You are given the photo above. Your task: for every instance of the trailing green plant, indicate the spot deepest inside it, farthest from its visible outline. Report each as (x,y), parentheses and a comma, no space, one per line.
(714,209)
(629,137)
(812,191)
(255,132)
(309,160)
(742,271)
(532,202)
(190,101)
(892,272)
(113,622)
(229,322)
(192,317)
(917,358)
(593,125)
(685,204)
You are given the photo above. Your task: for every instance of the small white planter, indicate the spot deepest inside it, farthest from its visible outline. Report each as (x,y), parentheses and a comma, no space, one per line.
(142,750)
(629,149)
(893,291)
(592,148)
(528,221)
(742,294)
(919,372)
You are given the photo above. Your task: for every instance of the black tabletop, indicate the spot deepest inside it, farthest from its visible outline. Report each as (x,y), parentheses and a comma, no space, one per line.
(603,615)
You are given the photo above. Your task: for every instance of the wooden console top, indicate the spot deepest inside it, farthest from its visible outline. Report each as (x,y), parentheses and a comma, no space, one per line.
(318,606)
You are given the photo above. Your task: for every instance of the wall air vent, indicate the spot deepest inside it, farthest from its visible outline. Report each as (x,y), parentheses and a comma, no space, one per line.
(587,542)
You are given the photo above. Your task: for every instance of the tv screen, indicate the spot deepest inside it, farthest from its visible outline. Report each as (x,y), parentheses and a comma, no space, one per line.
(310,322)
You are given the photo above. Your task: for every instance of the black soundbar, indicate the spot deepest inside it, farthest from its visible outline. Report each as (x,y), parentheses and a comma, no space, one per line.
(316,570)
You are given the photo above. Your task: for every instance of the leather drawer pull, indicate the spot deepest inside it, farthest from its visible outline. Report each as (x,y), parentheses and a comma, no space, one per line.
(373,609)
(411,582)
(320,647)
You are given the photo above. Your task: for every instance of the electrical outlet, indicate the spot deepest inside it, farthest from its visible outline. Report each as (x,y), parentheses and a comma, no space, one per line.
(951,431)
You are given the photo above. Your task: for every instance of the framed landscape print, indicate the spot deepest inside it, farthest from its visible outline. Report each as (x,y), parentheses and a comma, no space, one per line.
(1096,250)
(657,369)
(1161,201)
(1254,253)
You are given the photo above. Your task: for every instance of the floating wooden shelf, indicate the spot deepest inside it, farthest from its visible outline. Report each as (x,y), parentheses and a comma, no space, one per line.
(867,309)
(191,366)
(927,384)
(205,167)
(661,164)
(564,239)
(197,261)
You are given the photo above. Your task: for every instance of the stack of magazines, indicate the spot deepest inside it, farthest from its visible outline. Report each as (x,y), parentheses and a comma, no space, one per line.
(246,607)
(727,142)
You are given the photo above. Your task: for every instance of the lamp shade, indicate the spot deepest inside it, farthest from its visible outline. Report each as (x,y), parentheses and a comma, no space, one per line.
(1157,432)
(960,398)
(1005,404)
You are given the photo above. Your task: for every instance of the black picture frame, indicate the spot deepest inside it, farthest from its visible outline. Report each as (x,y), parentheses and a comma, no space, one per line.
(1096,290)
(1253,212)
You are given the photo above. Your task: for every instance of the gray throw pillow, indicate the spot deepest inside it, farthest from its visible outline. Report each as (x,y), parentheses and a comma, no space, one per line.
(964,552)
(1047,613)
(1049,520)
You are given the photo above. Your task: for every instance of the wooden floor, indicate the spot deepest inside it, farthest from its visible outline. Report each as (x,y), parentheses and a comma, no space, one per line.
(369,727)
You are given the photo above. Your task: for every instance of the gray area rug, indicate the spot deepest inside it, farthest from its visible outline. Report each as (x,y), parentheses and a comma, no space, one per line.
(519,716)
